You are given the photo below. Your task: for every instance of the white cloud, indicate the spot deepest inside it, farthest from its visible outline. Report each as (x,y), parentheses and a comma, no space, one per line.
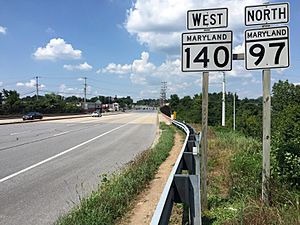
(3,30)
(143,72)
(1,83)
(142,65)
(116,68)
(159,24)
(64,88)
(57,48)
(138,66)
(30,84)
(84,67)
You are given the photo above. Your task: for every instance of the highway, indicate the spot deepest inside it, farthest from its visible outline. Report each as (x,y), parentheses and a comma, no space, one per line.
(47,166)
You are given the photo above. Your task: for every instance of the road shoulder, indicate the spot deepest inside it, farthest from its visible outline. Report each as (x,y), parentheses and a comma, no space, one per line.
(146,202)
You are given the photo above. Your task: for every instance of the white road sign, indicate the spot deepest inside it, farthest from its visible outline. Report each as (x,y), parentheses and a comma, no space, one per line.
(267,48)
(267,14)
(206,51)
(207,18)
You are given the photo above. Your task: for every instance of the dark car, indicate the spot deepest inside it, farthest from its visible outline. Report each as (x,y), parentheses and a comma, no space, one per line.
(32,116)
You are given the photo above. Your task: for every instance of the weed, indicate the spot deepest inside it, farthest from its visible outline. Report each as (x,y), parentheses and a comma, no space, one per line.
(237,167)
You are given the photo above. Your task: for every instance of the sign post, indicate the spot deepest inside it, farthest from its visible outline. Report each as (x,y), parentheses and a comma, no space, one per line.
(204,142)
(267,48)
(203,52)
(266,76)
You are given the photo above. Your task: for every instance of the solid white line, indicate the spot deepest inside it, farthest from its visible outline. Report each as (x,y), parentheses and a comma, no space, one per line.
(60,154)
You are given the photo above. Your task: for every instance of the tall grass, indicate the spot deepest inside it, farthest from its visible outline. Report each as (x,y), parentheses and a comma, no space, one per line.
(117,192)
(237,201)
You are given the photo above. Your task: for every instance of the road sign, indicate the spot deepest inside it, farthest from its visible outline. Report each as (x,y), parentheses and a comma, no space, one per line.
(206,51)
(267,14)
(267,48)
(207,18)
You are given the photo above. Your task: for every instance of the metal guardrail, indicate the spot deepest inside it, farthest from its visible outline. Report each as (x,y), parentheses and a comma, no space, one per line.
(182,187)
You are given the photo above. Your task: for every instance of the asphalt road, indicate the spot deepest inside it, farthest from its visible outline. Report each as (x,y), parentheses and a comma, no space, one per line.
(46,167)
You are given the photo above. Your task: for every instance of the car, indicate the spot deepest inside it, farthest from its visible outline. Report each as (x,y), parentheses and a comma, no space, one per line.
(32,116)
(96,114)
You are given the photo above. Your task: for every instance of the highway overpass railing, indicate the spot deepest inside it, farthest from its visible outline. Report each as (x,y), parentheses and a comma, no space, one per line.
(183,184)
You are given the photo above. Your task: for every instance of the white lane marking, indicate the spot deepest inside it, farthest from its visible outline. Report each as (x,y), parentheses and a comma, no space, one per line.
(19,133)
(60,154)
(55,135)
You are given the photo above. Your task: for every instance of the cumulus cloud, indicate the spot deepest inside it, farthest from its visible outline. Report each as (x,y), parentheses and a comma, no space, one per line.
(116,68)
(159,24)
(138,66)
(3,30)
(57,48)
(84,67)
(30,84)
(143,72)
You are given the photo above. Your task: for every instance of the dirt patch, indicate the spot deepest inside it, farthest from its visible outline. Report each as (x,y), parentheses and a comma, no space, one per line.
(146,202)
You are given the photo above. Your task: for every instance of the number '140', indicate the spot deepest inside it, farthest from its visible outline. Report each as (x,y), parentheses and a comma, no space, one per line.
(202,57)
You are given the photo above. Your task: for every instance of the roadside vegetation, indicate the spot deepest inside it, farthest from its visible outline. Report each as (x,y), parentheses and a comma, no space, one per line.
(117,192)
(234,189)
(235,158)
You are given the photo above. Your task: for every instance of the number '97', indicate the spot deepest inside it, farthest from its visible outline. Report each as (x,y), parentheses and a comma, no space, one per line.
(258,51)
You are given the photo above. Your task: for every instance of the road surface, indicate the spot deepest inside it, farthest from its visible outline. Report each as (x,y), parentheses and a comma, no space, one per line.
(46,167)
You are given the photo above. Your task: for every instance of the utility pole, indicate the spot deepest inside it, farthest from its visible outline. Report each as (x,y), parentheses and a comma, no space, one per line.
(234,111)
(223,101)
(84,91)
(37,87)
(163,93)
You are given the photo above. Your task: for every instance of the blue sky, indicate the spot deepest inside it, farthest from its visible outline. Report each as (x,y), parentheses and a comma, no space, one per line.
(123,47)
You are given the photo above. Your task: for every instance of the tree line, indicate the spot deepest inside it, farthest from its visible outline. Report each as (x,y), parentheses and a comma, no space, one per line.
(11,103)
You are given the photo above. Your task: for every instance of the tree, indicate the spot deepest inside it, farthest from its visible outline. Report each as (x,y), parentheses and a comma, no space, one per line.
(12,101)
(174,102)
(286,132)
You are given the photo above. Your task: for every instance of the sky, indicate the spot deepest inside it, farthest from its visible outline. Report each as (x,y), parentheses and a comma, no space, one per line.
(122,47)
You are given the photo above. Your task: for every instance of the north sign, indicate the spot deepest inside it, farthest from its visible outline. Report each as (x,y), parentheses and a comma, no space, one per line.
(267,48)
(207,18)
(267,14)
(206,51)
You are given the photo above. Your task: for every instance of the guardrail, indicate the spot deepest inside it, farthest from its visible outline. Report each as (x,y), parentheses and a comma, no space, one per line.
(182,187)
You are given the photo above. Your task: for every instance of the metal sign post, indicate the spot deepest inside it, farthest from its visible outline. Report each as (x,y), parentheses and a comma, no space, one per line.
(266,75)
(204,141)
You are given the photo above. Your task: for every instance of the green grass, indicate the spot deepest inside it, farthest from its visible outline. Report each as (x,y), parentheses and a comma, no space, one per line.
(117,191)
(234,189)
